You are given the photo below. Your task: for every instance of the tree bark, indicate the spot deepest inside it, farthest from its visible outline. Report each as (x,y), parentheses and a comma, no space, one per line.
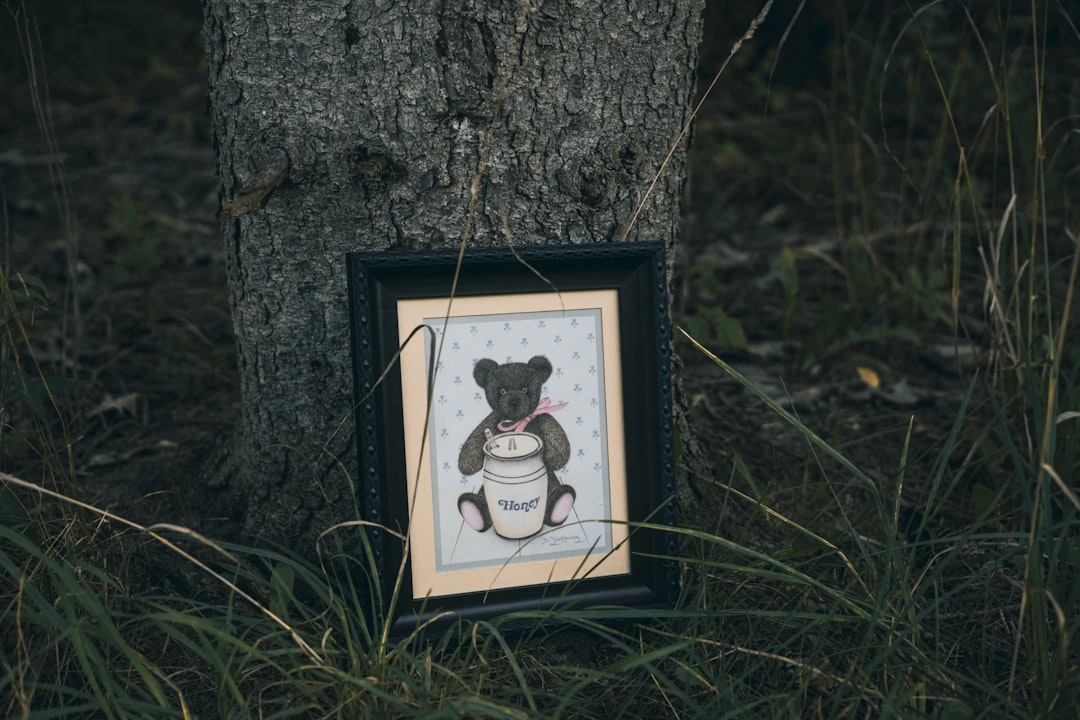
(345,125)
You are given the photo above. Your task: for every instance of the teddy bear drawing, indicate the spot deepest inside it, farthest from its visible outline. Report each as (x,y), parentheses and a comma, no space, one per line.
(513,392)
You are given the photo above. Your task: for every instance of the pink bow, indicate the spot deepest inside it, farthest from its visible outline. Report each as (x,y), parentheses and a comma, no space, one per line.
(544,406)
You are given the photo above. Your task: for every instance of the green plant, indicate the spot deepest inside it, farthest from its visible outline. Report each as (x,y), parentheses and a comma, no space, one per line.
(707,317)
(1031,294)
(29,405)
(132,243)
(66,627)
(786,273)
(898,627)
(21,299)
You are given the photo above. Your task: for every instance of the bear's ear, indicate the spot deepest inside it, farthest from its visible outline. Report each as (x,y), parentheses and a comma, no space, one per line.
(541,366)
(482,369)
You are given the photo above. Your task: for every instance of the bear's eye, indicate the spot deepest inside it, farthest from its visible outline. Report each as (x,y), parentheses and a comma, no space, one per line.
(525,390)
(502,391)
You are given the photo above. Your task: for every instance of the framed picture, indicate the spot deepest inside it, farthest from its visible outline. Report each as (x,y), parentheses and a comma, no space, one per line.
(513,414)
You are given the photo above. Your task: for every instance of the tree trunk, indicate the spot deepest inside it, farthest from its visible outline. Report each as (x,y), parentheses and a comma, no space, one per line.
(346,125)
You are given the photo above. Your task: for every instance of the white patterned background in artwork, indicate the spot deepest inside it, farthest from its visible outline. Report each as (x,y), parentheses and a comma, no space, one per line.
(572,341)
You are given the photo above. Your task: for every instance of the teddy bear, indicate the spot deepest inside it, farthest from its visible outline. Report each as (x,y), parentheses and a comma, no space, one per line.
(513,392)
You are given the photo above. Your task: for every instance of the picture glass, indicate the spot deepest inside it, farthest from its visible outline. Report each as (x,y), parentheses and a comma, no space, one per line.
(543,498)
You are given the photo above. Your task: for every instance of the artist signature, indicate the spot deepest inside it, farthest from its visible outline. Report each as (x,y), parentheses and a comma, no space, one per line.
(559,540)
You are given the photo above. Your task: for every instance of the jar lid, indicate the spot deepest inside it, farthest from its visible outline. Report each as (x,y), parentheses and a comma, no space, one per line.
(513,446)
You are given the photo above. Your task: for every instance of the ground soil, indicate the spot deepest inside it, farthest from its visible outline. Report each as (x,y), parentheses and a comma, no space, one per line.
(152,349)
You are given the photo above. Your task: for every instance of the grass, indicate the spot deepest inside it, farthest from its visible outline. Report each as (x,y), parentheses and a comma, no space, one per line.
(947,587)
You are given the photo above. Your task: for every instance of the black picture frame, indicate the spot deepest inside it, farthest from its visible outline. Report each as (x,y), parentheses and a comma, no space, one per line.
(383,288)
